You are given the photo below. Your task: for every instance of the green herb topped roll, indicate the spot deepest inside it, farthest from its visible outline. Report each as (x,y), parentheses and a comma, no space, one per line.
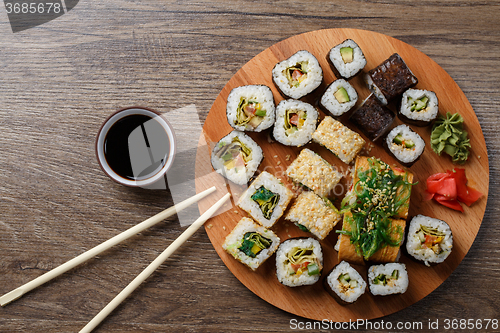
(298,75)
(250,108)
(299,262)
(295,122)
(265,199)
(250,243)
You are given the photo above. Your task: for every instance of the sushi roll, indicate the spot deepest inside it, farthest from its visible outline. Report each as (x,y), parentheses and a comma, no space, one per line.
(429,240)
(418,107)
(295,122)
(390,79)
(338,98)
(388,279)
(265,199)
(250,108)
(346,59)
(313,214)
(250,243)
(298,75)
(339,139)
(313,172)
(299,262)
(344,283)
(372,118)
(236,157)
(405,145)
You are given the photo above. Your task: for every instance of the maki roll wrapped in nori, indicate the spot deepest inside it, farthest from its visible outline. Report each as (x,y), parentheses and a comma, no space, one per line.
(429,240)
(265,199)
(250,108)
(390,79)
(388,279)
(313,214)
(299,262)
(298,75)
(405,145)
(295,122)
(418,107)
(236,157)
(346,59)
(338,98)
(250,243)
(345,284)
(372,118)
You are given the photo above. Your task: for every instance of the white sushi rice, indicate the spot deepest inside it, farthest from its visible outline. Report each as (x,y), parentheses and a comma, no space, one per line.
(347,70)
(403,154)
(347,293)
(427,114)
(374,90)
(302,135)
(234,241)
(414,243)
(329,102)
(312,81)
(282,262)
(272,184)
(260,93)
(237,177)
(393,286)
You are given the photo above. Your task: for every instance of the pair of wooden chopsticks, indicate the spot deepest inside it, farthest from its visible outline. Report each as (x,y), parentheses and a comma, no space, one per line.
(17,293)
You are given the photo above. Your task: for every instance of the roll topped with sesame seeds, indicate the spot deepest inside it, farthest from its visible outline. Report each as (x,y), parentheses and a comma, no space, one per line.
(378,197)
(339,139)
(313,214)
(312,171)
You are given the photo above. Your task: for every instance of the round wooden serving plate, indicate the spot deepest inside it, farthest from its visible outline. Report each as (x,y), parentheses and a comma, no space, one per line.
(314,302)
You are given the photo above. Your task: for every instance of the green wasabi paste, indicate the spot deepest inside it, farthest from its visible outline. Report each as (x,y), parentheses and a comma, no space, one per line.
(449,136)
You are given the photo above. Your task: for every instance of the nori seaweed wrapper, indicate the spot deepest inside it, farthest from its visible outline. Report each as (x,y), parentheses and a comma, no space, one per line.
(392,77)
(373,118)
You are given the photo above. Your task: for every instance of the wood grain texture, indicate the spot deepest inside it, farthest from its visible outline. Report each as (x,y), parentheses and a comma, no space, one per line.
(59,81)
(313,302)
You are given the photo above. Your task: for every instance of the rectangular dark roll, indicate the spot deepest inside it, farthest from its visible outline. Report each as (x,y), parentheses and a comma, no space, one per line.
(373,118)
(390,79)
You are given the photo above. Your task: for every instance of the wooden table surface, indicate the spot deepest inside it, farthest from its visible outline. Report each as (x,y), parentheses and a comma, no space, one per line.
(58,83)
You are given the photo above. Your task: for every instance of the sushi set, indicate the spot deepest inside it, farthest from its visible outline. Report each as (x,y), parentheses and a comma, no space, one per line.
(328,167)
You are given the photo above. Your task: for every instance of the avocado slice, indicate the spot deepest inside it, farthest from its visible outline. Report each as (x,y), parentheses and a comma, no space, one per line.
(341,95)
(347,54)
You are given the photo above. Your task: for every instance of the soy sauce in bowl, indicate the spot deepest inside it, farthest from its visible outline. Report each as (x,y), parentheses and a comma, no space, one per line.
(135,146)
